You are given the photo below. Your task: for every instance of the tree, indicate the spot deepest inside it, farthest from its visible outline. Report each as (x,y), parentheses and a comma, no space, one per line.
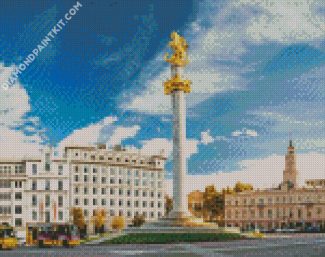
(99,219)
(118,222)
(168,204)
(241,187)
(138,220)
(210,203)
(78,218)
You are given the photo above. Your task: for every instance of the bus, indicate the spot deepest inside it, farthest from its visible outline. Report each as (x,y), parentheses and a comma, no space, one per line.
(8,239)
(51,234)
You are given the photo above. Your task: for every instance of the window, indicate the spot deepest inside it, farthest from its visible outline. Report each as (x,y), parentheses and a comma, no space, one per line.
(112,181)
(60,170)
(94,179)
(18,222)
(34,185)
(76,201)
(6,196)
(85,190)
(112,202)
(76,178)
(95,170)
(112,171)
(136,193)
(103,180)
(47,162)
(47,216)
(159,204)
(94,190)
(60,185)
(144,204)
(34,168)
(85,178)
(128,192)
(120,191)
(34,215)
(18,196)
(103,202)
(18,209)
(76,190)
(34,200)
(85,170)
(85,201)
(18,184)
(112,191)
(60,201)
(144,193)
(47,185)
(94,201)
(103,191)
(60,215)
(120,203)
(47,201)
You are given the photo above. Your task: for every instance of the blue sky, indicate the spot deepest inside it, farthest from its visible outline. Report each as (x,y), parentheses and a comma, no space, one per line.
(257,69)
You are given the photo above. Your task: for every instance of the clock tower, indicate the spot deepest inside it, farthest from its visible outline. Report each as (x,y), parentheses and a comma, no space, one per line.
(290,173)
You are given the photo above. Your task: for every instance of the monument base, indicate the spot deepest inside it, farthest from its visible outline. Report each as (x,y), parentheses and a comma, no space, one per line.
(181,224)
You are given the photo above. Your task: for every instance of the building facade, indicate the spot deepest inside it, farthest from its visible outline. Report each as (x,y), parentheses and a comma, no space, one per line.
(122,182)
(287,206)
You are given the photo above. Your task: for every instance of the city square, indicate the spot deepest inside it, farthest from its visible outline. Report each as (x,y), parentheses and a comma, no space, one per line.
(197,135)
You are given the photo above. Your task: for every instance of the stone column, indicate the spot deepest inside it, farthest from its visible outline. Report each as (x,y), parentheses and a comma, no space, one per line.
(179,156)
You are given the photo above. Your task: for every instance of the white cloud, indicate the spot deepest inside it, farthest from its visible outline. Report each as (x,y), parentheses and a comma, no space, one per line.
(261,173)
(88,135)
(156,145)
(245,133)
(122,133)
(14,107)
(206,137)
(285,21)
(216,49)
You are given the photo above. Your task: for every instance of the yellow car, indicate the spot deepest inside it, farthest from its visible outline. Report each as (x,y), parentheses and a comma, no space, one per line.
(8,239)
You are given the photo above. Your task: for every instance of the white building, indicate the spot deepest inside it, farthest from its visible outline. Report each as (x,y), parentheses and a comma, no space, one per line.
(122,182)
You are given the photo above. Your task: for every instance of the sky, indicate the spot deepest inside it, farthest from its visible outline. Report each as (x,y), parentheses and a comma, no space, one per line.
(257,70)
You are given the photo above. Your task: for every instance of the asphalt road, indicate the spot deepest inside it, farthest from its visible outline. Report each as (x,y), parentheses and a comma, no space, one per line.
(288,246)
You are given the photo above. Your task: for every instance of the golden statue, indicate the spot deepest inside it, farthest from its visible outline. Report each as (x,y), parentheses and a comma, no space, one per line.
(180,46)
(177,60)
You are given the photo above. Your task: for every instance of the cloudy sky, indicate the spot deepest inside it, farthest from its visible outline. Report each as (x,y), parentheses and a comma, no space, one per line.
(258,72)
